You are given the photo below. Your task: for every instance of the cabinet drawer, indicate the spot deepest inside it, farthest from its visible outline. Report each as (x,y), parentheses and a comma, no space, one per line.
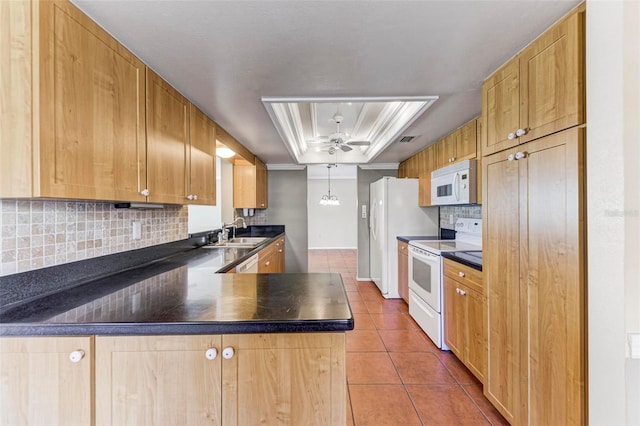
(464,274)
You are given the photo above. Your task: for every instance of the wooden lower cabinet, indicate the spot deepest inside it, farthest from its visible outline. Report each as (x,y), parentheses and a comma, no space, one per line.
(271,258)
(465,330)
(534,271)
(41,385)
(275,379)
(403,270)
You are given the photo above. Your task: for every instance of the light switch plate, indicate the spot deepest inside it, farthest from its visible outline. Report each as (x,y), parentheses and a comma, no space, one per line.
(364,211)
(136,233)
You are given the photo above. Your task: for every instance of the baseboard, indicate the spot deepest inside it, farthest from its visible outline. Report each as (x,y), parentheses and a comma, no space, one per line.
(332,248)
(362,279)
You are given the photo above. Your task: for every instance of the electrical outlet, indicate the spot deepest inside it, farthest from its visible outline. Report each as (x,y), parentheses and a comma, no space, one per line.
(450,219)
(136,233)
(364,211)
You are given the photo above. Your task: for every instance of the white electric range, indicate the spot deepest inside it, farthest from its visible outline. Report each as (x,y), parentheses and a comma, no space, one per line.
(426,275)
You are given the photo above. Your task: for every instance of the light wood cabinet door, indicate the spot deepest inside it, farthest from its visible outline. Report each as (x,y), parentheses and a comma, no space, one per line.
(261,185)
(250,184)
(402,170)
(280,250)
(268,259)
(403,270)
(428,162)
(446,150)
(555,278)
(502,230)
(455,317)
(40,385)
(268,380)
(201,178)
(552,81)
(158,380)
(167,141)
(501,108)
(466,142)
(476,334)
(534,271)
(91,110)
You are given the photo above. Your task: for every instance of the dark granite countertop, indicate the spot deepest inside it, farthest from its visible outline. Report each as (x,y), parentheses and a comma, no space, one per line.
(183,295)
(406,239)
(472,259)
(180,292)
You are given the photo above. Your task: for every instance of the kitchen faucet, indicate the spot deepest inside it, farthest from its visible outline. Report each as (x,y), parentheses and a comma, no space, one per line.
(233,224)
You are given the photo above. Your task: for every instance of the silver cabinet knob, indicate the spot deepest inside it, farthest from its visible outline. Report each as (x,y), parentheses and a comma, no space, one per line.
(520,155)
(461,274)
(228,352)
(211,353)
(460,292)
(145,192)
(195,197)
(189,197)
(76,356)
(521,132)
(511,136)
(267,263)
(511,157)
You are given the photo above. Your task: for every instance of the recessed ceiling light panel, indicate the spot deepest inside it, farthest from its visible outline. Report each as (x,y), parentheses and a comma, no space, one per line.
(350,130)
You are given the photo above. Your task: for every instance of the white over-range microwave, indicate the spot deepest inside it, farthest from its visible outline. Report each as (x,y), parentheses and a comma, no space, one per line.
(454,184)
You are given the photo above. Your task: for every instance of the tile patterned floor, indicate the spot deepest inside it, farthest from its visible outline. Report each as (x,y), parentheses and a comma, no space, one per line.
(395,374)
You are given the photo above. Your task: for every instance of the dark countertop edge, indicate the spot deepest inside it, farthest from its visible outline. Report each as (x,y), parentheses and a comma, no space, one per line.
(143,329)
(454,257)
(406,239)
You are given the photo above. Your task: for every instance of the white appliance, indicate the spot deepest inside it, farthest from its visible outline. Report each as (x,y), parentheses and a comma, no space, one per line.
(249,266)
(394,211)
(426,277)
(454,184)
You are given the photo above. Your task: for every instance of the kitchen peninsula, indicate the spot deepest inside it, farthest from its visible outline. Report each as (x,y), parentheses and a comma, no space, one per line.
(174,342)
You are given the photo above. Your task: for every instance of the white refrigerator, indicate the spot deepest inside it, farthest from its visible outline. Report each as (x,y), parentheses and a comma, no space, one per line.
(394,211)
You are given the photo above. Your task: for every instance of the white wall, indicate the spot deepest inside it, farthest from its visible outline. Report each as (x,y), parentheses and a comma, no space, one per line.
(613,209)
(206,218)
(332,226)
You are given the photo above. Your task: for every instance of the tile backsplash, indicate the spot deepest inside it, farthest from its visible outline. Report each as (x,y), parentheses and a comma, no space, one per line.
(41,233)
(259,217)
(473,211)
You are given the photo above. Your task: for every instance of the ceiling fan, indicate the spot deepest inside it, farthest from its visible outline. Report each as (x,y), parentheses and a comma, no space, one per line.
(339,140)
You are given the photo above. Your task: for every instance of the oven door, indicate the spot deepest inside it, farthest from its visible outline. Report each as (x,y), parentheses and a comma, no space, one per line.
(424,276)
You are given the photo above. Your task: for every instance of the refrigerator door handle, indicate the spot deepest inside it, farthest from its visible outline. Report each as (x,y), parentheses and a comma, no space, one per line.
(373,219)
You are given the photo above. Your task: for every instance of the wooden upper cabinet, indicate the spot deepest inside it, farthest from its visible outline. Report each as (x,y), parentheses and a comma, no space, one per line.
(552,79)
(428,164)
(402,170)
(446,150)
(167,141)
(500,106)
(41,385)
(261,184)
(249,184)
(201,178)
(540,91)
(85,101)
(466,148)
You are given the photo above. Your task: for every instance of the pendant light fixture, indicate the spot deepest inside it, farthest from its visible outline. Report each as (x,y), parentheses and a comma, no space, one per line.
(329,200)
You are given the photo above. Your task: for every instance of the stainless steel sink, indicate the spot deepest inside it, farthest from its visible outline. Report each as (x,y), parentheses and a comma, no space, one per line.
(244,242)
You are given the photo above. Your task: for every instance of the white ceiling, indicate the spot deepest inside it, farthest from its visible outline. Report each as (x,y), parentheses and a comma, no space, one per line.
(226,55)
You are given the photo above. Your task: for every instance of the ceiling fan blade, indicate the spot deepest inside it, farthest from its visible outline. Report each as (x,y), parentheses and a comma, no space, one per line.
(359,143)
(345,148)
